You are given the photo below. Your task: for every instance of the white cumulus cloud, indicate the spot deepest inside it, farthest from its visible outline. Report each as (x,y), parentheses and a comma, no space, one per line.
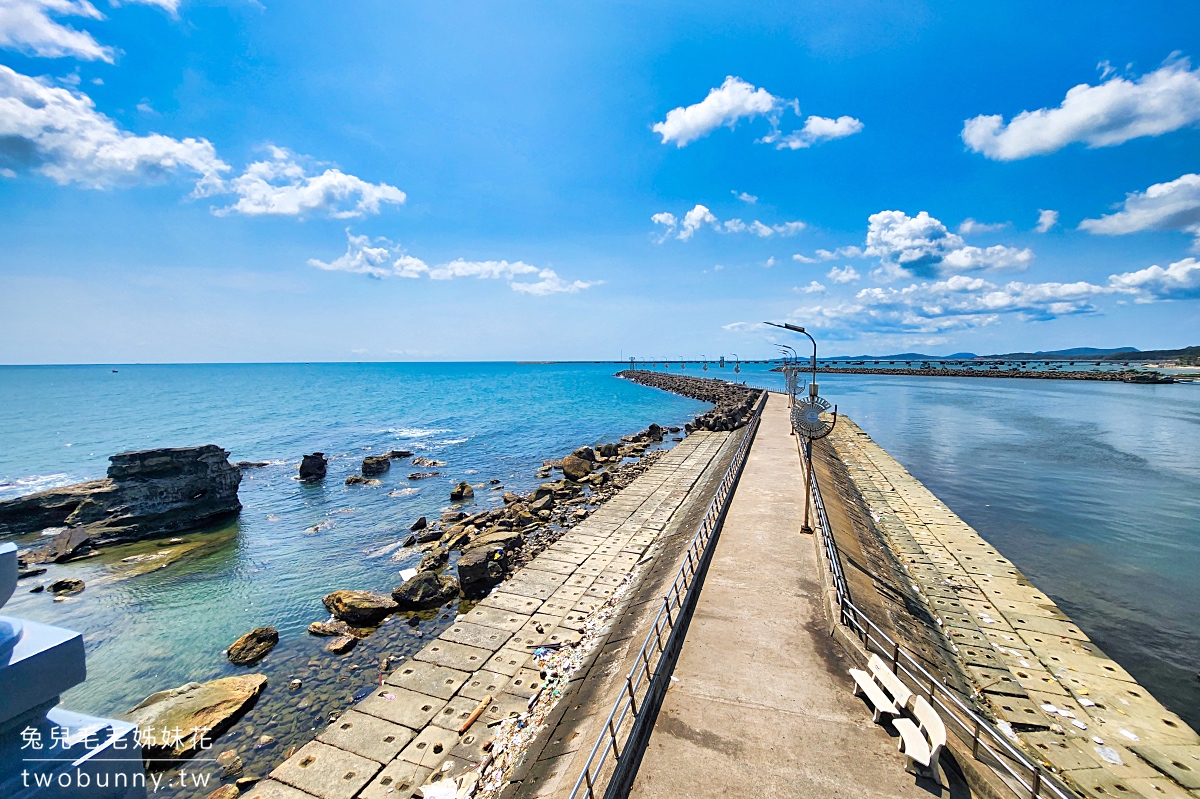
(1179,281)
(816,130)
(381,258)
(551,283)
(26,26)
(733,100)
(1046,220)
(749,199)
(58,133)
(1113,112)
(843,274)
(812,288)
(921,245)
(700,216)
(282,186)
(1174,205)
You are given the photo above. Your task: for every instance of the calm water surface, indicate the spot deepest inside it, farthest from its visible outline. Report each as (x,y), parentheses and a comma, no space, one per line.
(1092,489)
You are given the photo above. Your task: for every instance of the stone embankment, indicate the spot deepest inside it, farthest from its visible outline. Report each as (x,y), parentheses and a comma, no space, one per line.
(1035,374)
(1006,646)
(147,493)
(734,402)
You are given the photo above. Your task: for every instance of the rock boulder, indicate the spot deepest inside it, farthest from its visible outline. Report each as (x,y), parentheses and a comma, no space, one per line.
(425,590)
(481,568)
(359,608)
(575,467)
(375,464)
(462,491)
(312,468)
(253,646)
(213,706)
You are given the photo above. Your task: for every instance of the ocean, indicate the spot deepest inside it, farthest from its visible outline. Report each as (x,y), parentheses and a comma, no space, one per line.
(1092,489)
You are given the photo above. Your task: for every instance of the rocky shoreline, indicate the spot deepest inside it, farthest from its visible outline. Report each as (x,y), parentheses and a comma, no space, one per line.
(147,494)
(734,402)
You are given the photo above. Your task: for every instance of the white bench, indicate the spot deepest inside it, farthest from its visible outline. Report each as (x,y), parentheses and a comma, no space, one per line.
(922,742)
(884,690)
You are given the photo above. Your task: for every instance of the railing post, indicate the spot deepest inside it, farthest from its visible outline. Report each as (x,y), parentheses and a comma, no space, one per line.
(632,697)
(1037,782)
(896,658)
(975,741)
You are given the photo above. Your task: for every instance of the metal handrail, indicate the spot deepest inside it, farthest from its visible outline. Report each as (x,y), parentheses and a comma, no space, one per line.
(988,744)
(645,678)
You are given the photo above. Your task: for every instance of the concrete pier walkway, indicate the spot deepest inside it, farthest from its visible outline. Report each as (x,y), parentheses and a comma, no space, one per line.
(760,703)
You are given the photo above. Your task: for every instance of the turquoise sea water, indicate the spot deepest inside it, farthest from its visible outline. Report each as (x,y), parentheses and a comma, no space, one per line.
(1093,489)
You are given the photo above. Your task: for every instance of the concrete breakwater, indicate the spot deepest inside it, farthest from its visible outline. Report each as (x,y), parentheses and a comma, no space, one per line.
(734,402)
(1032,374)
(479,695)
(992,636)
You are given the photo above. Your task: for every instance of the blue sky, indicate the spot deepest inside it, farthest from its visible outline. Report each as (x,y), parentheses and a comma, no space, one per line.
(236,181)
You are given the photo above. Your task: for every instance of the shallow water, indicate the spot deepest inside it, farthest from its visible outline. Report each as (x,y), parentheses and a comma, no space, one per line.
(1092,489)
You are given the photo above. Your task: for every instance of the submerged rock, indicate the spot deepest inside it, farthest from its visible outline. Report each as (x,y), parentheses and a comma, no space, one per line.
(312,467)
(231,764)
(147,493)
(66,587)
(251,464)
(225,792)
(375,464)
(253,646)
(356,480)
(422,475)
(462,491)
(425,590)
(341,645)
(212,706)
(336,627)
(359,608)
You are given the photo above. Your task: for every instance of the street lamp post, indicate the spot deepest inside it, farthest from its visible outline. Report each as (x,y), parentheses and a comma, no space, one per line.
(806,420)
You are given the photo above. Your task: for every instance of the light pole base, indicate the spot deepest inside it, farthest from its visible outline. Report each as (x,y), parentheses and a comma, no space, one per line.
(806,530)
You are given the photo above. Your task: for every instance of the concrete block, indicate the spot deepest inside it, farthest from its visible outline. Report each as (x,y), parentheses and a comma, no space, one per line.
(455,713)
(470,744)
(477,635)
(366,735)
(399,780)
(484,683)
(407,708)
(428,678)
(513,602)
(454,656)
(270,789)
(430,748)
(508,661)
(496,617)
(326,771)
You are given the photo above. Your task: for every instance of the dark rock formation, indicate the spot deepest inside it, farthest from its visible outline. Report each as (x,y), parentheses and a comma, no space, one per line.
(212,706)
(359,608)
(66,586)
(358,480)
(481,568)
(243,465)
(734,402)
(419,524)
(422,475)
(147,493)
(425,590)
(434,559)
(375,464)
(396,454)
(461,492)
(253,646)
(335,627)
(312,468)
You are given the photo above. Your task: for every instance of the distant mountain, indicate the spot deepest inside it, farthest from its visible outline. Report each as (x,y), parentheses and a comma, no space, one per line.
(904,356)
(1187,353)
(1074,352)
